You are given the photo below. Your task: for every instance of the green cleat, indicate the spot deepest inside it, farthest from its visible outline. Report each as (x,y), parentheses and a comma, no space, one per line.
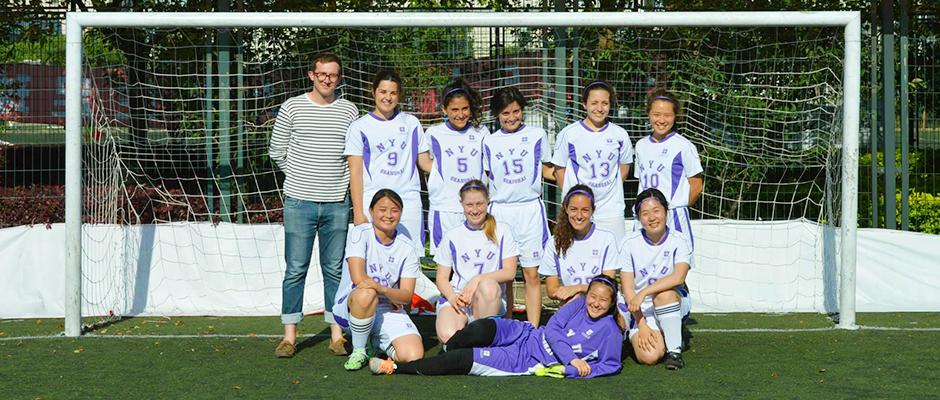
(357,360)
(555,371)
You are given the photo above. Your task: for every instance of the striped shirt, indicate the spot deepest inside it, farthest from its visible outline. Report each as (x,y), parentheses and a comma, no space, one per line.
(307,144)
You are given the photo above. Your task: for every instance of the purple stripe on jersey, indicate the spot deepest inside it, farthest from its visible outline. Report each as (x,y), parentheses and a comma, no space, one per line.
(604,259)
(685,213)
(451,127)
(677,169)
(557,265)
(489,162)
(366,153)
(453,256)
(521,127)
(573,157)
(674,257)
(436,150)
(423,235)
(589,232)
(671,134)
(619,151)
(675,220)
(438,233)
(650,242)
(401,269)
(538,159)
(500,254)
(414,162)
(588,128)
(374,115)
(544,224)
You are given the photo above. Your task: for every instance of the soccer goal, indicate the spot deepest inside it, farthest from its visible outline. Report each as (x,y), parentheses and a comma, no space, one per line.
(174,208)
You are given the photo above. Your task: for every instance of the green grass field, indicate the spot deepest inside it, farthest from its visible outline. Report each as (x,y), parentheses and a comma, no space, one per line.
(797,356)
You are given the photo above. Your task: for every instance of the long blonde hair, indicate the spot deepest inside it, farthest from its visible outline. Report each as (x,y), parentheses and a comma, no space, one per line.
(489,223)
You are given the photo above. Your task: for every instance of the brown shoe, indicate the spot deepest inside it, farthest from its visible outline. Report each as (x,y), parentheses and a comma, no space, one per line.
(285,349)
(338,347)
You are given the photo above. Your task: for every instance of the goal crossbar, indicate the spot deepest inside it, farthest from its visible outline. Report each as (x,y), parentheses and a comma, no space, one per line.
(77,21)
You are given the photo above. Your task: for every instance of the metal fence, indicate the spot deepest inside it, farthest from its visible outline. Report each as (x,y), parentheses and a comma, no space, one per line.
(32,151)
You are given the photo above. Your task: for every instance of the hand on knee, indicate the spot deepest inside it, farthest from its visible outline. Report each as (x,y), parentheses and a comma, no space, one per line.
(363,301)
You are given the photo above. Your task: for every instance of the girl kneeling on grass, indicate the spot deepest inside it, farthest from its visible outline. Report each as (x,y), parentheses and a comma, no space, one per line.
(475,261)
(656,261)
(378,278)
(582,340)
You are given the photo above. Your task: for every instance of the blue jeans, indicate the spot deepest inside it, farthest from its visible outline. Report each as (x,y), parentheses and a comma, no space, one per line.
(303,221)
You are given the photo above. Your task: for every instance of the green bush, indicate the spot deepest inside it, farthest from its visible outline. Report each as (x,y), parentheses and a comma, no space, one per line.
(925,212)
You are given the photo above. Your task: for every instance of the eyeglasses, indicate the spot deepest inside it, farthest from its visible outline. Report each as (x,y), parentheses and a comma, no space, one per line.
(322,76)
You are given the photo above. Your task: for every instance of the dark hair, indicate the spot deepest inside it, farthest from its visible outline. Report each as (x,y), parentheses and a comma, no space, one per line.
(386,75)
(599,85)
(324,58)
(459,88)
(664,95)
(504,97)
(564,232)
(489,223)
(611,283)
(389,194)
(651,193)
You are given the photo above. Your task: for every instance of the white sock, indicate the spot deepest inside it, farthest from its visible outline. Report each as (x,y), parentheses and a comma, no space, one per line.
(670,321)
(361,329)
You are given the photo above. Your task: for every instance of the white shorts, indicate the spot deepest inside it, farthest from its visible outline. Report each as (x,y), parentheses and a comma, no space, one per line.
(529,228)
(439,222)
(615,225)
(411,220)
(649,312)
(388,325)
(442,303)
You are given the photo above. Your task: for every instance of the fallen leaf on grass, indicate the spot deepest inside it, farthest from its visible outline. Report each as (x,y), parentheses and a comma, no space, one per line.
(38,322)
(295,381)
(178,322)
(76,351)
(236,387)
(774,375)
(252,334)
(822,370)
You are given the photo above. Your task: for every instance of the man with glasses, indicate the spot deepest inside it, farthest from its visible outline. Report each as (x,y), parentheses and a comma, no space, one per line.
(307,145)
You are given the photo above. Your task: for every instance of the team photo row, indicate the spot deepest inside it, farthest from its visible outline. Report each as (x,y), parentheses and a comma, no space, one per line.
(620,284)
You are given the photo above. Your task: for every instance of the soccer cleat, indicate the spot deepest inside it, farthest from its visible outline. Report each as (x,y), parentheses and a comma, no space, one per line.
(555,371)
(285,349)
(380,366)
(673,360)
(357,360)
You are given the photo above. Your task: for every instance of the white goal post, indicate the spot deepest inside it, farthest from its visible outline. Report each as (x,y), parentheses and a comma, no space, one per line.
(77,21)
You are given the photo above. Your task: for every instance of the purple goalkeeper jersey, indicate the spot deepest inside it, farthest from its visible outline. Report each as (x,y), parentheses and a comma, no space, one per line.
(518,348)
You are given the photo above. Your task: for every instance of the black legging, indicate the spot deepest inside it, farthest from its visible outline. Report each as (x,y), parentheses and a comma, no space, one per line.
(458,359)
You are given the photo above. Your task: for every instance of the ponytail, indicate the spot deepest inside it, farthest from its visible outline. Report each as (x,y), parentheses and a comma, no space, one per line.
(489,228)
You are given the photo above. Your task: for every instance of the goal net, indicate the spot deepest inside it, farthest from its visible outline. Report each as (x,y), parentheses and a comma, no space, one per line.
(181,206)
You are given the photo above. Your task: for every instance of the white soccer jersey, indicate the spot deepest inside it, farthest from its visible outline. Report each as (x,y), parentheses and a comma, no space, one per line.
(650,261)
(585,259)
(385,264)
(470,253)
(458,158)
(667,165)
(514,164)
(389,151)
(594,159)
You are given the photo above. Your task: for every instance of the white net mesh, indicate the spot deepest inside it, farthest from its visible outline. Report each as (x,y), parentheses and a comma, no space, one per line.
(182,202)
